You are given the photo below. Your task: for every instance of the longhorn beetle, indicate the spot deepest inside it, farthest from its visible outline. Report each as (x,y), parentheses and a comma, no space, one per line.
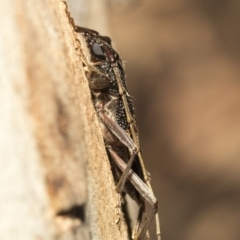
(113,104)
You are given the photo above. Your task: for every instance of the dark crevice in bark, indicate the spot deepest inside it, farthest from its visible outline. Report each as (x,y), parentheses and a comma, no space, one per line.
(77,211)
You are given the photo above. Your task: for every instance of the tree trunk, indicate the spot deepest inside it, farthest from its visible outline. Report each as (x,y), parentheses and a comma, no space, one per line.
(56,181)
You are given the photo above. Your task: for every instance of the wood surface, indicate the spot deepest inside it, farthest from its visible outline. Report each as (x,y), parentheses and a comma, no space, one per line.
(56,181)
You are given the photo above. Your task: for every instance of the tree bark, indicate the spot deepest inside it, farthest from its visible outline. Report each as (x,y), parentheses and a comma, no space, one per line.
(56,181)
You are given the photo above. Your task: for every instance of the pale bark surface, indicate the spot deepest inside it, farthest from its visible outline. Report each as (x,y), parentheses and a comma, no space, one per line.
(52,155)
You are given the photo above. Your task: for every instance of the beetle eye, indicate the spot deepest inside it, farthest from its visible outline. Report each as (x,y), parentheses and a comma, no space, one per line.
(97,50)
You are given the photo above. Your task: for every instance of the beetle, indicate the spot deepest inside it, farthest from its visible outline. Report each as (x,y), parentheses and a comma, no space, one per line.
(114,107)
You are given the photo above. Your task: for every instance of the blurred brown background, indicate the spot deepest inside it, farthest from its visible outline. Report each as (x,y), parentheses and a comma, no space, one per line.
(182,63)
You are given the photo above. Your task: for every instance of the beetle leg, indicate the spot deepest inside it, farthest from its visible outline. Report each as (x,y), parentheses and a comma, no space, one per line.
(128,142)
(125,139)
(137,224)
(143,190)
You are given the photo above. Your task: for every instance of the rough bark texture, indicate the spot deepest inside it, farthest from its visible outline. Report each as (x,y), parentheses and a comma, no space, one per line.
(52,157)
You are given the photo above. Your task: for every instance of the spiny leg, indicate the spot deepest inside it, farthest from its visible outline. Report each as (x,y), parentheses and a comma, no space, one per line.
(137,198)
(143,190)
(136,228)
(127,141)
(124,176)
(123,138)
